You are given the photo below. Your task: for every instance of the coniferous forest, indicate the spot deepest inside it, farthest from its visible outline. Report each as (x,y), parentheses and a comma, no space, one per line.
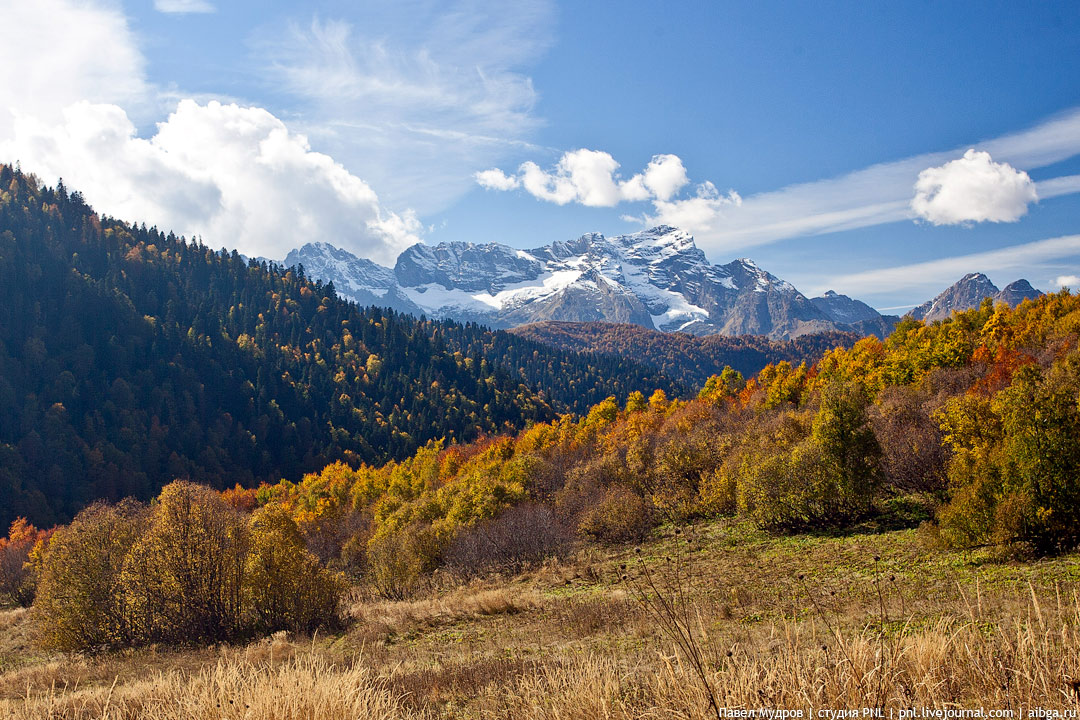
(130,357)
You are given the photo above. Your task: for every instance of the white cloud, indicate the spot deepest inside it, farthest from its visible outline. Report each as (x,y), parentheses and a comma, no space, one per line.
(590,178)
(972,188)
(236,176)
(877,194)
(1066,185)
(496,179)
(665,176)
(417,93)
(184,6)
(56,52)
(941,272)
(1069,281)
(694,214)
(581,176)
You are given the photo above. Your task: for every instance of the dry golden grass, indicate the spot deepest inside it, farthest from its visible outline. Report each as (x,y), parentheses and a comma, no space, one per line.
(459,604)
(876,620)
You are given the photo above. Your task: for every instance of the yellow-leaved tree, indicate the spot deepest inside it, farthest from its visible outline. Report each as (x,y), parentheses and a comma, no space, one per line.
(183,579)
(285,588)
(80,601)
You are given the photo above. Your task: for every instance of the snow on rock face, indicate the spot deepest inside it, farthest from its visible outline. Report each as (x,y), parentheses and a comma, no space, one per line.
(348,273)
(657,278)
(466,266)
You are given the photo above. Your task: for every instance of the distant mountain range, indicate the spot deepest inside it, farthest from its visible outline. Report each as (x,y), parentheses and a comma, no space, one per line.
(968,292)
(657,279)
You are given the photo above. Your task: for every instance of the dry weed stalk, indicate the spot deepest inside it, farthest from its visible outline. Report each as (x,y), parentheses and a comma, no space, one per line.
(668,602)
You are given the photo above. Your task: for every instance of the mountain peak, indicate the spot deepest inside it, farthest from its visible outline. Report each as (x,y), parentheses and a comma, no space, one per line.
(1017,292)
(657,278)
(969,292)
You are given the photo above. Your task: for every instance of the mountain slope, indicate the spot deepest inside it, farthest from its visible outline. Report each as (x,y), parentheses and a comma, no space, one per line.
(129,358)
(968,292)
(658,279)
(685,357)
(855,314)
(1017,292)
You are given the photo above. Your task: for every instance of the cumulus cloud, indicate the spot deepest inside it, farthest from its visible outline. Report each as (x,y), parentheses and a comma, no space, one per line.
(665,176)
(590,178)
(183,6)
(496,179)
(91,55)
(234,175)
(1069,281)
(694,214)
(973,188)
(581,176)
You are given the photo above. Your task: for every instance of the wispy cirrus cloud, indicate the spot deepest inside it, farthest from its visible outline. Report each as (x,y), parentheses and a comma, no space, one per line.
(883,193)
(933,275)
(182,7)
(419,93)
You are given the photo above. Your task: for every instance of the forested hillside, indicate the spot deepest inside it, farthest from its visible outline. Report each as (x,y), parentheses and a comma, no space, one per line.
(974,420)
(130,357)
(688,358)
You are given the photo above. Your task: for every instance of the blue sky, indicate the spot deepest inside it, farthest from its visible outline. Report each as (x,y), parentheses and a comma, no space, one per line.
(792,133)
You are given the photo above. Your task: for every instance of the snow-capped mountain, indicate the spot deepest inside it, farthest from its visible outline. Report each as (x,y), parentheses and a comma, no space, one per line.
(657,278)
(968,292)
(357,279)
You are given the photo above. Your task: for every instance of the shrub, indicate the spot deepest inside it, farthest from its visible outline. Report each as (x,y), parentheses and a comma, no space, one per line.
(520,535)
(789,487)
(719,491)
(285,588)
(398,560)
(842,430)
(1015,472)
(796,474)
(18,577)
(914,456)
(620,516)
(684,462)
(183,578)
(80,600)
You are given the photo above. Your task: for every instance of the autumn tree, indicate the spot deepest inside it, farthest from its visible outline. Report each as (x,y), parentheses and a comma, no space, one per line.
(183,579)
(18,577)
(1015,471)
(80,601)
(285,588)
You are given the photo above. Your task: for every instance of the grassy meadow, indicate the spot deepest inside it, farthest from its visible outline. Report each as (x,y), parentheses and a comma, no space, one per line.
(875,617)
